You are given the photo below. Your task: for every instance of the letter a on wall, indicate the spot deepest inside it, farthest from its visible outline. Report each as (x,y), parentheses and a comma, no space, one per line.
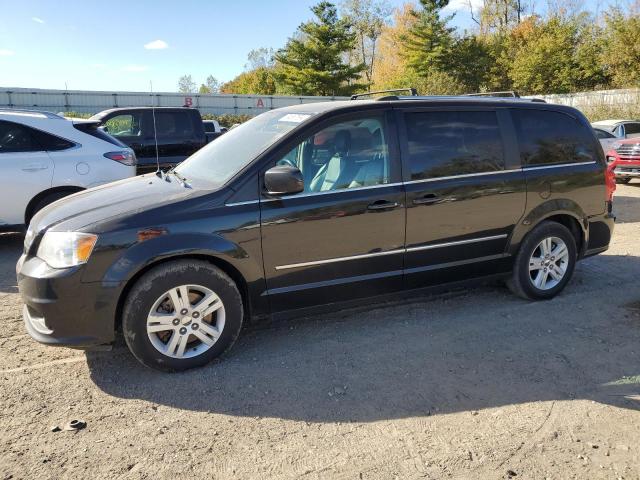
(259,103)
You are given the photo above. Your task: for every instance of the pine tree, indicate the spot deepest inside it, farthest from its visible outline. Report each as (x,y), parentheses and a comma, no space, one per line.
(312,62)
(428,44)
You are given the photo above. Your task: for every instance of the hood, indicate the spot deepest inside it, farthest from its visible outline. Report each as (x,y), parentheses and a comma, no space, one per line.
(107,201)
(628,141)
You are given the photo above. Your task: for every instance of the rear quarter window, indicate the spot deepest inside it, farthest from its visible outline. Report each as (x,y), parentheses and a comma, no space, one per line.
(94,131)
(632,130)
(552,138)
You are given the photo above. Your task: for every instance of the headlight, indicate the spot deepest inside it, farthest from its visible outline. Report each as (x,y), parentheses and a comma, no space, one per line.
(616,145)
(66,249)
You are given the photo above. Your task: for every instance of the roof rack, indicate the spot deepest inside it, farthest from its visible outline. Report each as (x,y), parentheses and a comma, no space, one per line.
(507,93)
(413,91)
(32,112)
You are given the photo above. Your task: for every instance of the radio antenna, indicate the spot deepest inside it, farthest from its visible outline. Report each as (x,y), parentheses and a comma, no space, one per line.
(155,133)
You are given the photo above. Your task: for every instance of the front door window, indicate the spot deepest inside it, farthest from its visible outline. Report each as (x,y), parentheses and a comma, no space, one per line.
(349,154)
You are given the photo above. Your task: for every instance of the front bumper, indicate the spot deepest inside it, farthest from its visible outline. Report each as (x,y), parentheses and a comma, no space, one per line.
(62,310)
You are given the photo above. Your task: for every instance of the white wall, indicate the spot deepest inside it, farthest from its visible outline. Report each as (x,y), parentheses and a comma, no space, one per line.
(93,102)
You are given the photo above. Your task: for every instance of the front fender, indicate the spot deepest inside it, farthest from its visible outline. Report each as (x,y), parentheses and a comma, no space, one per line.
(142,254)
(550,208)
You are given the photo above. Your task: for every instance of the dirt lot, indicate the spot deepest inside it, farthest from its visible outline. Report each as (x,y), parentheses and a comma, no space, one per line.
(474,384)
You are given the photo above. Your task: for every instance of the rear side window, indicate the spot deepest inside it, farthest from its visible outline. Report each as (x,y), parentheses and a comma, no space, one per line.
(94,131)
(209,128)
(443,144)
(632,130)
(15,137)
(548,138)
(173,124)
(603,134)
(51,143)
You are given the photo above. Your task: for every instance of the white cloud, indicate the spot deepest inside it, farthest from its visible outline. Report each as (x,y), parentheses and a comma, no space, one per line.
(97,65)
(457,5)
(157,45)
(135,68)
(6,53)
(37,19)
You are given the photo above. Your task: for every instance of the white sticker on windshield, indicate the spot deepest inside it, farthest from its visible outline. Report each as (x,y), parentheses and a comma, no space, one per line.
(295,117)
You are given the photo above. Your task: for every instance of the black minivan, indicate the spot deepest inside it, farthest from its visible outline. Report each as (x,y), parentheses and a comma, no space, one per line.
(319,204)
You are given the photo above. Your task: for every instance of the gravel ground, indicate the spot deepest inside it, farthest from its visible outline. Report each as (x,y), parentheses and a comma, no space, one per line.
(472,384)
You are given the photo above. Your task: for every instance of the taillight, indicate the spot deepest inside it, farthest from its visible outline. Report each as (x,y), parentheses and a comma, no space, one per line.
(125,157)
(610,180)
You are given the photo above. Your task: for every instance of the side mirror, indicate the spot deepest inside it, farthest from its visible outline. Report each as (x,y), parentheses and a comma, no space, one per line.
(283,180)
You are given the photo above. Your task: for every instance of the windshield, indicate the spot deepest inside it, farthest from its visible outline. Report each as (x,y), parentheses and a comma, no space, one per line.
(221,159)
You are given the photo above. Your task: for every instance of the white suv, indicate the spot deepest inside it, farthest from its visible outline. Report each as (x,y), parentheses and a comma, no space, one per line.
(44,157)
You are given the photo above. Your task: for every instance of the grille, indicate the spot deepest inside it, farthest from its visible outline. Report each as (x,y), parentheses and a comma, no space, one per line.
(628,150)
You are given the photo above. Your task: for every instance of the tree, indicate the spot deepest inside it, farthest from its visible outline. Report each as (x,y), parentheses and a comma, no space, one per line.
(312,63)
(260,81)
(212,84)
(428,43)
(260,58)
(553,56)
(500,15)
(368,18)
(186,84)
(621,54)
(390,68)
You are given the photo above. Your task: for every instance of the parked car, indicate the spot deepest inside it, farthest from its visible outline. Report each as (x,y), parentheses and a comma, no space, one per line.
(44,157)
(620,128)
(179,131)
(212,129)
(625,158)
(319,205)
(607,139)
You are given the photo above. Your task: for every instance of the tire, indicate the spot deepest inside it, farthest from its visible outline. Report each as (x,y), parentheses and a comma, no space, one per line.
(149,315)
(46,200)
(623,180)
(527,283)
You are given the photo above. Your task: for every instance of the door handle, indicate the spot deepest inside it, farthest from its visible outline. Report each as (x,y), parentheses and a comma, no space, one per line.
(34,167)
(382,205)
(427,199)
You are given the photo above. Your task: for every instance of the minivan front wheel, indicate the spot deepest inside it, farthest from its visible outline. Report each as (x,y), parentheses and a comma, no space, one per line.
(545,262)
(181,315)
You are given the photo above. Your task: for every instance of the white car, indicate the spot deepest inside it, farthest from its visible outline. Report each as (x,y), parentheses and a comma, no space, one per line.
(607,139)
(620,128)
(44,157)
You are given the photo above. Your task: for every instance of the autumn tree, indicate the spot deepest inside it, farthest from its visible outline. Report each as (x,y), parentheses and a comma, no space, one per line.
(390,66)
(368,18)
(312,62)
(260,81)
(621,52)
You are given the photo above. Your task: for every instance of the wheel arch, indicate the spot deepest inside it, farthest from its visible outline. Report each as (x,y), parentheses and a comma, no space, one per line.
(565,212)
(214,260)
(28,211)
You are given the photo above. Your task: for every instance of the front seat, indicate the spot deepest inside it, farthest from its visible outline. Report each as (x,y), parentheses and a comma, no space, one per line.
(329,174)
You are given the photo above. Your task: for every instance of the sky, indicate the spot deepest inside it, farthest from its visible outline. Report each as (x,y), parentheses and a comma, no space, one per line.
(120,45)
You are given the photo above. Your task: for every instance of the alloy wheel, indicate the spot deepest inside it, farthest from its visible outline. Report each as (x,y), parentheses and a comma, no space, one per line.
(548,263)
(186,321)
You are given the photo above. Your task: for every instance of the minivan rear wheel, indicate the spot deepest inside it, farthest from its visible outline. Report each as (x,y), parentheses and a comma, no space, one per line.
(545,262)
(181,315)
